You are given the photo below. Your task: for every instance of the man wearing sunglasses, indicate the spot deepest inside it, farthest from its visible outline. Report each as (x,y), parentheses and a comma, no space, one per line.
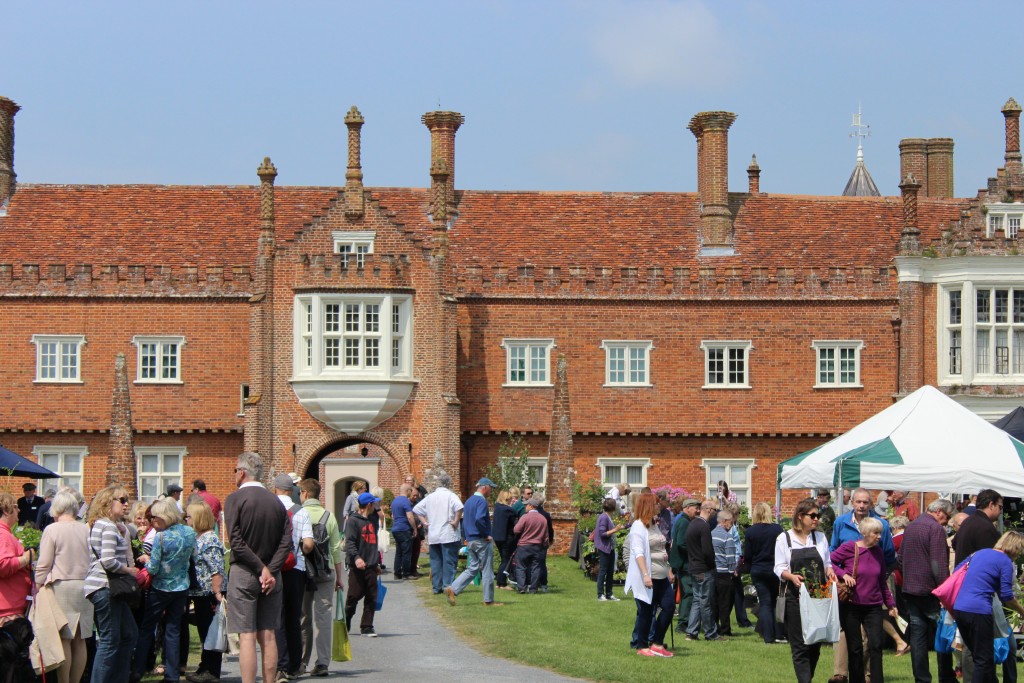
(846,529)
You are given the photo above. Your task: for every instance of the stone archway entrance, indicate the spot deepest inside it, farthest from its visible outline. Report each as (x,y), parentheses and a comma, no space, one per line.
(339,465)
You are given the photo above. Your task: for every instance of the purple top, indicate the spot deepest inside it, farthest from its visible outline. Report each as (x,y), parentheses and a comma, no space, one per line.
(871,588)
(605,544)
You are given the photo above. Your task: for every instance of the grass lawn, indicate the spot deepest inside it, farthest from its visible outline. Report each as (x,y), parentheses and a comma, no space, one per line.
(568,631)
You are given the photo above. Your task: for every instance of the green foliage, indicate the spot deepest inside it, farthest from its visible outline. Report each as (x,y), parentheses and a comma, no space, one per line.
(587,497)
(28,536)
(512,468)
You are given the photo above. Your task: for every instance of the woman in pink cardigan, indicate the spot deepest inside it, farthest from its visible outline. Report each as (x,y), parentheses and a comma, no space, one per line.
(15,581)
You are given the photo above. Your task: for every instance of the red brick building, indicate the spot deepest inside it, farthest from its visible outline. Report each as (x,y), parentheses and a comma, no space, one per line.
(349,331)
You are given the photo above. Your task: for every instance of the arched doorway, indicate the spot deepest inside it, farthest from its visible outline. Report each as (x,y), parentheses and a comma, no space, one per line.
(337,466)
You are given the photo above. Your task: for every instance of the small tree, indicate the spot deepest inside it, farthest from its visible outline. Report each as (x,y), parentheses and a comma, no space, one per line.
(513,466)
(588,497)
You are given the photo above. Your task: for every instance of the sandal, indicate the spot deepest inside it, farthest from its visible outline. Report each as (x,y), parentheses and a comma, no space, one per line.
(158,670)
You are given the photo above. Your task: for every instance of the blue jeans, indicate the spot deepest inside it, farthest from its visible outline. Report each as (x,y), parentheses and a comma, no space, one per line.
(443,559)
(642,625)
(605,573)
(702,613)
(168,607)
(923,611)
(116,634)
(479,558)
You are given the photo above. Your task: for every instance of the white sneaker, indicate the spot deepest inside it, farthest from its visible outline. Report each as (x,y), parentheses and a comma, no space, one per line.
(601,598)
(612,598)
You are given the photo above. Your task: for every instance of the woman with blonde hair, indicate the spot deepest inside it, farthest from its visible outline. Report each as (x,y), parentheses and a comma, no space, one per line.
(63,565)
(110,554)
(168,596)
(352,502)
(501,531)
(208,556)
(15,580)
(759,552)
(649,579)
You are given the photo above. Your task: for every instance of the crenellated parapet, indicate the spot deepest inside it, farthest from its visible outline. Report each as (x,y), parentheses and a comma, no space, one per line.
(675,283)
(88,280)
(336,270)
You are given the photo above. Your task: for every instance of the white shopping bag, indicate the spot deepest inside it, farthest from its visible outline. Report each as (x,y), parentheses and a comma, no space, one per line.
(819,617)
(217,636)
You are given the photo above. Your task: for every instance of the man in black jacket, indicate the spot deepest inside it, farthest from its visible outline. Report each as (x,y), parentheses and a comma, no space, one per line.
(701,555)
(979,531)
(363,559)
(680,561)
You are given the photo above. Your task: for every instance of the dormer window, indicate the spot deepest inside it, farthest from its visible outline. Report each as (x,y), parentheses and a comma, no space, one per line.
(1004,220)
(353,246)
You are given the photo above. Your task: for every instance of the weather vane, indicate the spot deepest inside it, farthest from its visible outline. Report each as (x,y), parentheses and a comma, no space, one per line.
(860,131)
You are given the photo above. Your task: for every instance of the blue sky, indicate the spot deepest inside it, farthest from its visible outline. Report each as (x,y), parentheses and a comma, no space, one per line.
(558,95)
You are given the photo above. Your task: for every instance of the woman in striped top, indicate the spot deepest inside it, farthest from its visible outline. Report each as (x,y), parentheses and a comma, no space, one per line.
(110,553)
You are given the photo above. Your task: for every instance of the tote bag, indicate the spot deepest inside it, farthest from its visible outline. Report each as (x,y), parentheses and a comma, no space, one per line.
(217,635)
(341,648)
(382,591)
(945,632)
(819,617)
(950,588)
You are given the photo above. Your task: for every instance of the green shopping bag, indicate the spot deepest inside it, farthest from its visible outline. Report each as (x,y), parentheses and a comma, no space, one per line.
(341,649)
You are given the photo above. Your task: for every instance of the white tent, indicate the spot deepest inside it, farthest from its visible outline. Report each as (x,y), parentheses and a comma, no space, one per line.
(925,442)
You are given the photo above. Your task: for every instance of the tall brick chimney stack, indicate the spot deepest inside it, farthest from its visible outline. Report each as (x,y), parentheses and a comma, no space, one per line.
(914,159)
(7,176)
(443,125)
(354,174)
(1011,112)
(753,176)
(910,236)
(439,205)
(267,172)
(121,462)
(939,158)
(711,128)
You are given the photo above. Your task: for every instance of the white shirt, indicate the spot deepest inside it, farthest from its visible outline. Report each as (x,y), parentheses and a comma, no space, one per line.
(783,552)
(639,545)
(440,509)
(301,528)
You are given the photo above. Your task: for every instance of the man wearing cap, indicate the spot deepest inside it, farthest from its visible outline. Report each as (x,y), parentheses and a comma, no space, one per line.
(441,512)
(476,526)
(679,561)
(174,491)
(827,512)
(363,560)
(532,530)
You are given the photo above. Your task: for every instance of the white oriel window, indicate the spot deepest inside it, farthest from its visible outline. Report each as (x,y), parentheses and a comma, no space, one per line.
(353,246)
(158,468)
(528,362)
(63,460)
(735,473)
(538,468)
(159,359)
(360,335)
(999,331)
(726,364)
(1004,220)
(58,358)
(627,363)
(632,471)
(838,363)
(954,331)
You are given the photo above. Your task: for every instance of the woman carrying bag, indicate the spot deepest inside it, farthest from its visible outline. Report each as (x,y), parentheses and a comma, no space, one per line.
(802,552)
(861,566)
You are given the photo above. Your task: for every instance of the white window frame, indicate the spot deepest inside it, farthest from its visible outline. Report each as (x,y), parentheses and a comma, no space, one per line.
(75,479)
(604,464)
(543,464)
(163,476)
(707,346)
(748,465)
(837,346)
(628,349)
(63,374)
(529,347)
(999,217)
(356,243)
(314,332)
(161,342)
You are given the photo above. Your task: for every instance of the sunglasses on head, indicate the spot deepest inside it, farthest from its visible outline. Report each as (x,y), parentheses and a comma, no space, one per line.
(814,515)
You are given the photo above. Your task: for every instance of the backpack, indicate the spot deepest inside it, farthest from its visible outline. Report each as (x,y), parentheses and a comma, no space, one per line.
(318,561)
(290,561)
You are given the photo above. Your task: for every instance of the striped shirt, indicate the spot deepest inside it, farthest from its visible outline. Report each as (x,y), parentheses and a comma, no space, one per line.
(109,552)
(725,550)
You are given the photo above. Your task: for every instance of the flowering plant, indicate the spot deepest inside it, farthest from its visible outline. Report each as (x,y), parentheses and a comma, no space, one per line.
(817,586)
(675,493)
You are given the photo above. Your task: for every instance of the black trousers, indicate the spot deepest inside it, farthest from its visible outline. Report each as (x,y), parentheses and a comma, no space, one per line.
(870,617)
(724,597)
(205,606)
(506,549)
(362,585)
(528,567)
(403,553)
(805,657)
(289,631)
(978,631)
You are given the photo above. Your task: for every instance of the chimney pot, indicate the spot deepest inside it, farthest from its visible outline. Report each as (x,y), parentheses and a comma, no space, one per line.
(711,128)
(354,173)
(1011,113)
(443,126)
(753,176)
(8,178)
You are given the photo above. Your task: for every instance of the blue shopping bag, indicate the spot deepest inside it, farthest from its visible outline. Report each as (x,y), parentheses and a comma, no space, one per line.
(945,632)
(382,590)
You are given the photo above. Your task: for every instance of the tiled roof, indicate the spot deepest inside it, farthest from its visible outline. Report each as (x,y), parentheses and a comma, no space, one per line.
(218,225)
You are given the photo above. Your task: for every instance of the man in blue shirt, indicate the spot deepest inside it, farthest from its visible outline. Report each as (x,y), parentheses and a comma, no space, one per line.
(846,529)
(476,528)
(404,529)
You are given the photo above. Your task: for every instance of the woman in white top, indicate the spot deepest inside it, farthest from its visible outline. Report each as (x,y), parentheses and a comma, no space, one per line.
(638,575)
(802,554)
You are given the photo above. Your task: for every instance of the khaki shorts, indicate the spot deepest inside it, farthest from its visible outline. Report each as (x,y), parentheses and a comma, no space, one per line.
(249,610)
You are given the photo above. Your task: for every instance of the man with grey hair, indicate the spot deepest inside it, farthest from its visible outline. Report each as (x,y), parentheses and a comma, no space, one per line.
(925,558)
(441,512)
(261,538)
(45,518)
(726,561)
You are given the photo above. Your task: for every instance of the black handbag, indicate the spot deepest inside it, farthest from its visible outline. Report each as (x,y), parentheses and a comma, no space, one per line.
(124,587)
